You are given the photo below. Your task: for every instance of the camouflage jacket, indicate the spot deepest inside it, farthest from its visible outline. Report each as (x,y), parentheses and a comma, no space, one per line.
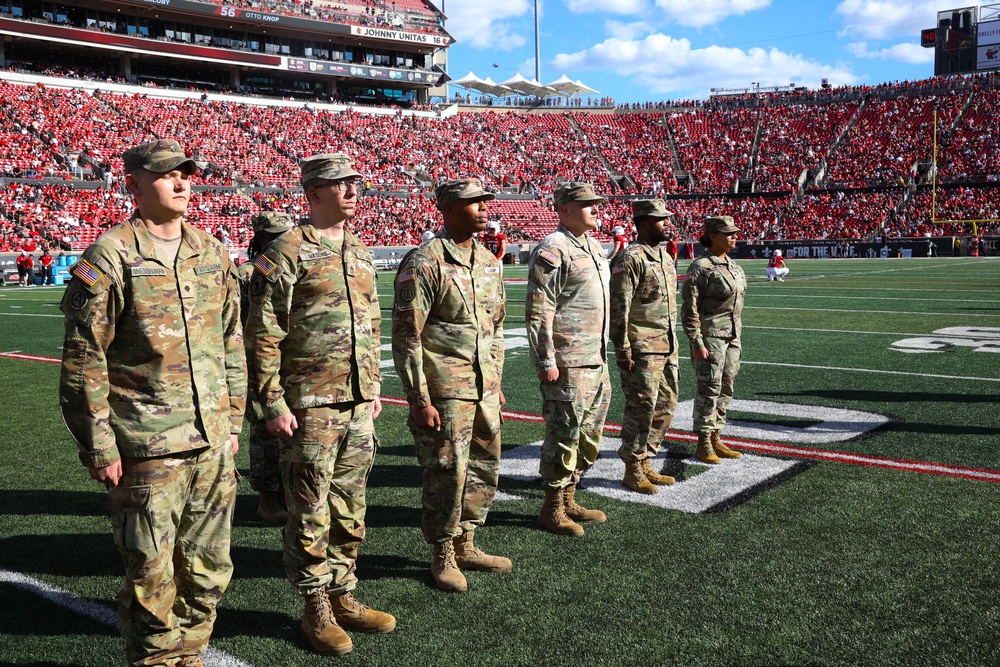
(567,304)
(713,299)
(312,334)
(643,302)
(447,322)
(153,356)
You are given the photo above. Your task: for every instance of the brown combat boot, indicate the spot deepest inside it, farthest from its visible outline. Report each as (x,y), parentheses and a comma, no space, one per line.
(352,615)
(447,576)
(635,479)
(191,661)
(578,512)
(270,510)
(705,453)
(655,477)
(320,627)
(553,515)
(469,557)
(721,450)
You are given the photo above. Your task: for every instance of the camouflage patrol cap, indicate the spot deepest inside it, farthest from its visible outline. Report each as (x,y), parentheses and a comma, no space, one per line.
(720,223)
(462,189)
(327,166)
(271,222)
(651,208)
(575,191)
(159,157)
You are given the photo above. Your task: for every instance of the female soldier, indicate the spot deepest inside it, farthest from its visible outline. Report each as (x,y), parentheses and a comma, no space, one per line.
(713,303)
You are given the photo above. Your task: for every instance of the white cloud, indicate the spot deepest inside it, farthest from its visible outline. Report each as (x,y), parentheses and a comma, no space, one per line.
(484,24)
(891,19)
(607,6)
(907,52)
(626,31)
(700,13)
(663,65)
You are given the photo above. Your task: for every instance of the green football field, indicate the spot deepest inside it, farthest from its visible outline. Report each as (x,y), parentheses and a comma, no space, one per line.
(859,529)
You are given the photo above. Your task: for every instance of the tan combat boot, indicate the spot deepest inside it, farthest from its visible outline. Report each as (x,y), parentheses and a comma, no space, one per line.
(270,510)
(721,450)
(705,453)
(655,477)
(635,479)
(447,576)
(469,557)
(579,513)
(553,515)
(320,627)
(191,661)
(352,615)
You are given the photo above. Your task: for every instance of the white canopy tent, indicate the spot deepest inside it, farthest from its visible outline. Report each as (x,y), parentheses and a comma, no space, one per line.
(569,88)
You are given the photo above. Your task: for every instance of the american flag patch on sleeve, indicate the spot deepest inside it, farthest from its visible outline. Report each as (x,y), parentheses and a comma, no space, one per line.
(87,272)
(617,268)
(549,257)
(264,265)
(405,276)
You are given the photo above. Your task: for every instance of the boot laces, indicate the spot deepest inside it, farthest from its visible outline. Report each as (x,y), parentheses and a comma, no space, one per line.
(324,611)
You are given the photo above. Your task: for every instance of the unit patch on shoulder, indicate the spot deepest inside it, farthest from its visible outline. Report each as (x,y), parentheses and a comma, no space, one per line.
(257,285)
(549,257)
(264,265)
(87,272)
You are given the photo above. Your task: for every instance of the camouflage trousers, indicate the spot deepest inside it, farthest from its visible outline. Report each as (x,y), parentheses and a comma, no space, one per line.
(171,517)
(650,389)
(325,467)
(461,465)
(574,408)
(715,383)
(265,470)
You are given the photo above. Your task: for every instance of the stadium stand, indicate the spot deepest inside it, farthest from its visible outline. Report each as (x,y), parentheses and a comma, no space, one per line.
(851,164)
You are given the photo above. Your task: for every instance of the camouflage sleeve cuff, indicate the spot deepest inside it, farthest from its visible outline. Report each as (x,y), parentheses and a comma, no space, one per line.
(546,364)
(624,354)
(100,458)
(237,426)
(418,400)
(276,409)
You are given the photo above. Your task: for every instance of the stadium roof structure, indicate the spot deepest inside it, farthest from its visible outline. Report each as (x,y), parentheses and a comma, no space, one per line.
(487,86)
(569,88)
(523,86)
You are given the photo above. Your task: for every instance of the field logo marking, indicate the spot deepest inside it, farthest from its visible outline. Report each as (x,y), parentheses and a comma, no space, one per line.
(213,657)
(980,339)
(718,487)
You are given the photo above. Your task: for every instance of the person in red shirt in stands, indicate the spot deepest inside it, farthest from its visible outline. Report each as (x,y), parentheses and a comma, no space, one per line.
(25,269)
(672,248)
(46,261)
(776,269)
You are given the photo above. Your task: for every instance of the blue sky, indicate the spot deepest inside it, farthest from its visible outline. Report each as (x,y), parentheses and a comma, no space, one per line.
(639,50)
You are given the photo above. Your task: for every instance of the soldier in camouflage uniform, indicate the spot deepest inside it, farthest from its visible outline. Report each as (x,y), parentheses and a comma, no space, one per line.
(643,316)
(447,344)
(567,320)
(713,305)
(313,346)
(265,471)
(152,389)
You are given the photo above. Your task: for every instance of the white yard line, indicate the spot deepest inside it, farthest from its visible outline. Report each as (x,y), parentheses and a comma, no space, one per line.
(32,315)
(869,312)
(104,615)
(861,298)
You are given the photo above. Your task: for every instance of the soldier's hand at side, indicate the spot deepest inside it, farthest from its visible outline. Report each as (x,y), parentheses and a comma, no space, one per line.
(427,417)
(503,399)
(700,353)
(549,376)
(234,441)
(626,364)
(108,475)
(284,425)
(376,407)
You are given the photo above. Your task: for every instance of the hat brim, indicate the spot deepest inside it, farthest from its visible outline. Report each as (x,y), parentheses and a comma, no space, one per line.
(349,173)
(482,196)
(275,229)
(167,166)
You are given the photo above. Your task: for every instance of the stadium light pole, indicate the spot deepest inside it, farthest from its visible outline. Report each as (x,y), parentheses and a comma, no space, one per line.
(538,60)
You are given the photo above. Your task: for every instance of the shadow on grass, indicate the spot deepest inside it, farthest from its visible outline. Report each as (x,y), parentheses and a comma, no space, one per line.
(61,503)
(24,613)
(66,554)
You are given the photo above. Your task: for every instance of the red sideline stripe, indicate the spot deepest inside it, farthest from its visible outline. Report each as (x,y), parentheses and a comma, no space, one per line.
(978,474)
(30,357)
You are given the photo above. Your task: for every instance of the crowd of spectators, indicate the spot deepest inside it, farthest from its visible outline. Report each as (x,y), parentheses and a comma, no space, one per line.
(73,135)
